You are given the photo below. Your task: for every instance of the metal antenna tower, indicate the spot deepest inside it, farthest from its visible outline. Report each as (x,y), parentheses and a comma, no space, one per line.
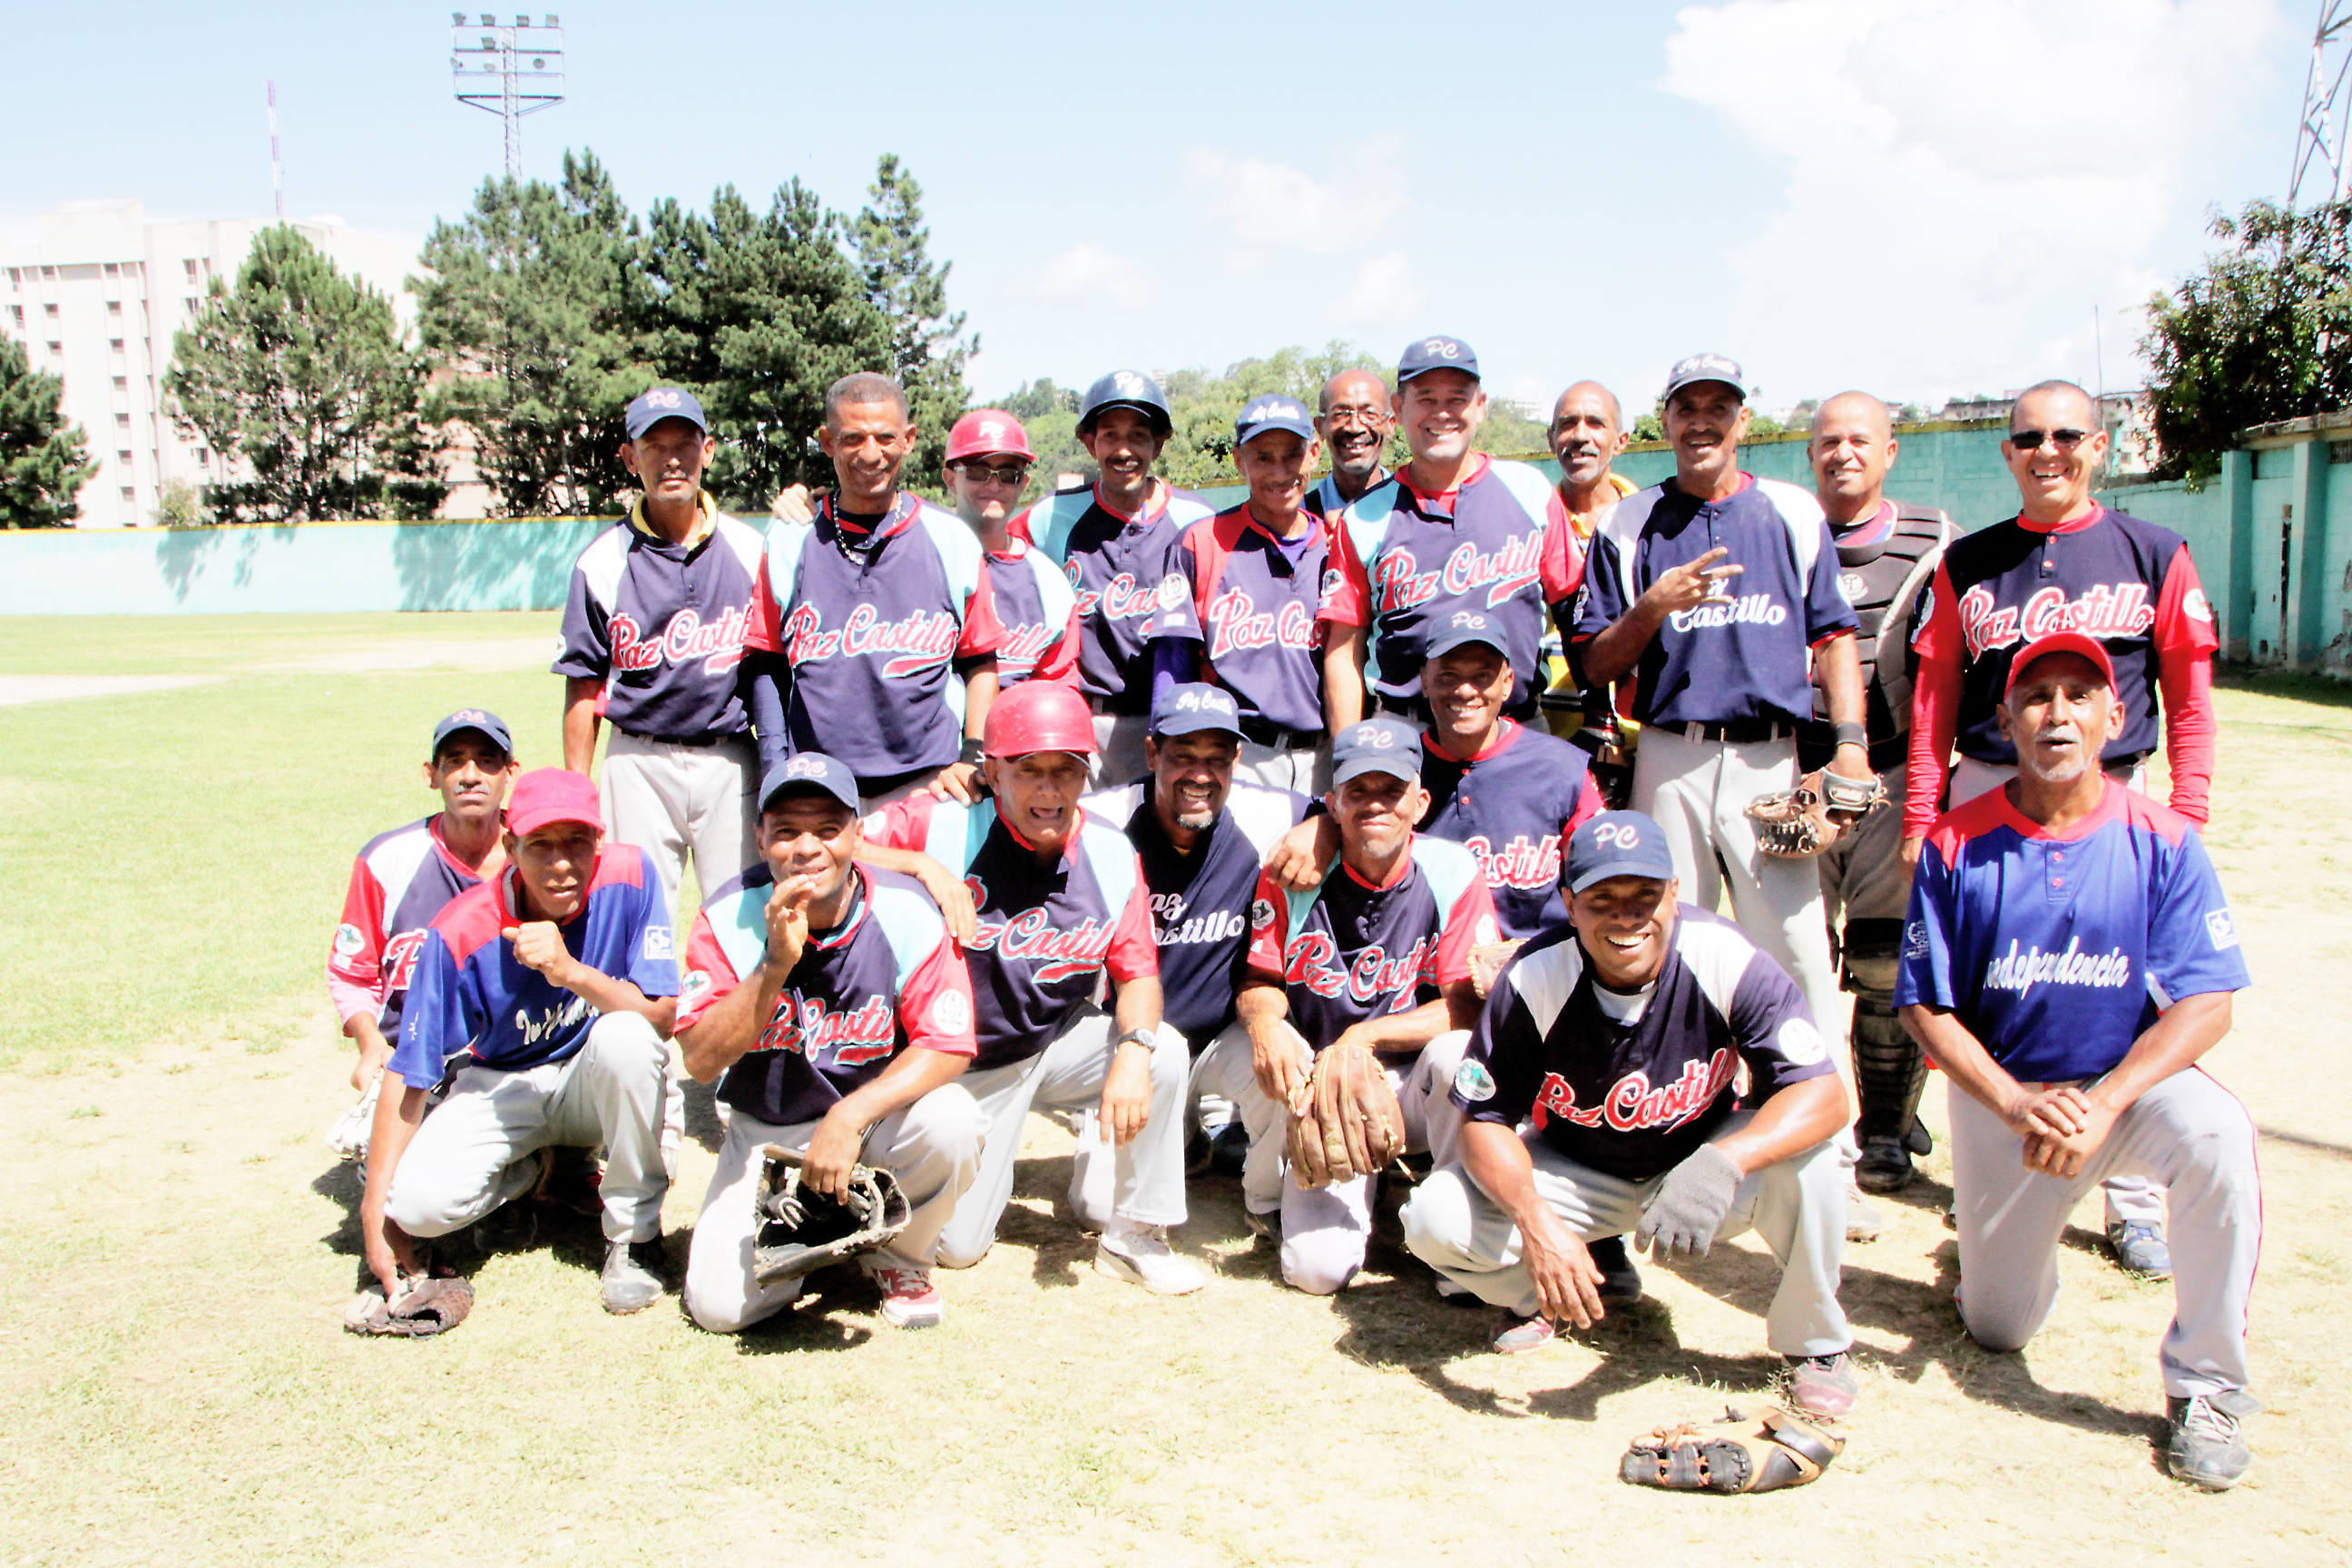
(2321,166)
(511,71)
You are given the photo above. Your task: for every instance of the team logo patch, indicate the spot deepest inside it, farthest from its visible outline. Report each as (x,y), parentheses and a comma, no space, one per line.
(1261,914)
(1802,1043)
(1474,1083)
(658,943)
(697,981)
(2197,606)
(949,1013)
(1486,933)
(1915,940)
(1171,591)
(2221,930)
(347,939)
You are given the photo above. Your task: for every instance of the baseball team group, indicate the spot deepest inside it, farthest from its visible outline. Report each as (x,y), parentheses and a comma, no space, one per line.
(1364,840)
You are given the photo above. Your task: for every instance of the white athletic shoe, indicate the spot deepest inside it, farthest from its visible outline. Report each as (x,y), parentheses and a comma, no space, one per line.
(349,1136)
(1141,1256)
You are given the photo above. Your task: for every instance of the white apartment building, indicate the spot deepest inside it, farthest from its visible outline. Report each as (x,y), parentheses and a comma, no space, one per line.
(97,297)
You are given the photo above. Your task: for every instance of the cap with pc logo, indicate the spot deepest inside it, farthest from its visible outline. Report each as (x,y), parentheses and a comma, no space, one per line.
(1465,627)
(479,720)
(1273,412)
(988,433)
(1383,745)
(1616,844)
(651,408)
(811,772)
(1436,353)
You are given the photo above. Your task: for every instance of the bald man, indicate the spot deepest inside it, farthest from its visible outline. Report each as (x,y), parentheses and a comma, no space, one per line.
(1353,420)
(1587,431)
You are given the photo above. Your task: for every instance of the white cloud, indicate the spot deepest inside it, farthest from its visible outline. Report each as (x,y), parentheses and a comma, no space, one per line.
(1383,294)
(1966,179)
(1088,278)
(1267,207)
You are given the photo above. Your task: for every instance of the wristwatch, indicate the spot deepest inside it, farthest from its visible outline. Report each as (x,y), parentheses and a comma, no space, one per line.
(1147,1039)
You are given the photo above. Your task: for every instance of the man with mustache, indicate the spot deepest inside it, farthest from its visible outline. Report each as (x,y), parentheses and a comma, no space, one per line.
(1616,1042)
(1587,433)
(2068,960)
(2065,562)
(1353,422)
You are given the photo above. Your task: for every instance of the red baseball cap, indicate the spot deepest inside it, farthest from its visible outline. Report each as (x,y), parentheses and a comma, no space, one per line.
(552,794)
(986,432)
(2089,647)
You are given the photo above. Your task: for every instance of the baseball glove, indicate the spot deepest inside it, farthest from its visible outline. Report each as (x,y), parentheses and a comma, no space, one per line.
(424,1308)
(1793,824)
(800,1231)
(1784,1451)
(1346,1121)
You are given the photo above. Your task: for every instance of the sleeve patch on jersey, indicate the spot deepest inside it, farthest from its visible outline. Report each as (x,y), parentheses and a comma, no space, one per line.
(697,981)
(658,943)
(1474,1083)
(2197,606)
(2221,930)
(1172,589)
(1261,914)
(1802,1043)
(1915,940)
(347,939)
(949,1013)
(1486,933)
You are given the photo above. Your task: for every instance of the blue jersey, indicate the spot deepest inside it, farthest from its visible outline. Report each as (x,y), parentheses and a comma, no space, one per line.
(1038,616)
(1119,567)
(663,624)
(1635,1096)
(1512,806)
(469,992)
(2058,952)
(400,882)
(1201,899)
(1323,496)
(1718,663)
(886,979)
(1252,600)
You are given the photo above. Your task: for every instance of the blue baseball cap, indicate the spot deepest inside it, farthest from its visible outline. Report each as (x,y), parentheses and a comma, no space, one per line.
(1190,707)
(1706,367)
(479,718)
(651,408)
(1381,746)
(1615,844)
(1273,412)
(1436,353)
(810,771)
(1464,627)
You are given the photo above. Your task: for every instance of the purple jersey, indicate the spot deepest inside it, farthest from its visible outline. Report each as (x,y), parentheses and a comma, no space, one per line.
(2058,952)
(1346,951)
(400,882)
(1635,1097)
(886,979)
(1118,568)
(872,628)
(1038,614)
(663,625)
(1250,599)
(1512,806)
(1717,663)
(469,990)
(1200,900)
(1048,933)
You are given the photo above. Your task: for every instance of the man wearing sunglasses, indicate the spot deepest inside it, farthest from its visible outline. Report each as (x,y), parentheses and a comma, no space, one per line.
(2064,562)
(987,467)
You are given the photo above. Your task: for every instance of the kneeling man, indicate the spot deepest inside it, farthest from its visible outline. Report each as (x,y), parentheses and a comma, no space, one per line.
(833,1000)
(2068,959)
(1618,1039)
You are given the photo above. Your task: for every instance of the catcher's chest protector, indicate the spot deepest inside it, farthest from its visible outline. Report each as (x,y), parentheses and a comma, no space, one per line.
(1883,579)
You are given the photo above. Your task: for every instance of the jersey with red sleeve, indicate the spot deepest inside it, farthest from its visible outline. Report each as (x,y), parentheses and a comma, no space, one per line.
(1633,1085)
(399,882)
(1118,565)
(663,625)
(1048,932)
(469,991)
(872,626)
(886,979)
(1039,616)
(1512,806)
(1323,497)
(2128,583)
(1719,663)
(1250,600)
(1405,559)
(2057,950)
(1346,951)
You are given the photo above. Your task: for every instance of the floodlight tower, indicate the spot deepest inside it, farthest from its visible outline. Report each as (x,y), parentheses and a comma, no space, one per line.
(2321,165)
(509,70)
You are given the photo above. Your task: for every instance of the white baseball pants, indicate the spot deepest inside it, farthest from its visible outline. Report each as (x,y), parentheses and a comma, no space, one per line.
(1118,748)
(669,799)
(1308,770)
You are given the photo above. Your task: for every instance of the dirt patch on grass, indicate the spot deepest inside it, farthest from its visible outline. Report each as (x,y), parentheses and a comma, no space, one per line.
(421,651)
(20,689)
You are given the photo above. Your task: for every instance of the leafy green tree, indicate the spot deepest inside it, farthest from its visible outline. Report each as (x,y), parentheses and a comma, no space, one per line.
(2264,333)
(300,375)
(927,348)
(43,458)
(534,299)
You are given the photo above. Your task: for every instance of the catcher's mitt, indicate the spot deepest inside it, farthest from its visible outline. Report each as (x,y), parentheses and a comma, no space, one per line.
(799,1231)
(1346,1121)
(424,1308)
(1792,823)
(1733,1455)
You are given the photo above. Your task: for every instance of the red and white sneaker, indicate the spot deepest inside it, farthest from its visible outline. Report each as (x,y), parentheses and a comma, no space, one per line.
(909,1299)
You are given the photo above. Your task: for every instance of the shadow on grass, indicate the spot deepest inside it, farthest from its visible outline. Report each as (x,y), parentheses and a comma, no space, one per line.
(813,1322)
(566,1233)
(2326,690)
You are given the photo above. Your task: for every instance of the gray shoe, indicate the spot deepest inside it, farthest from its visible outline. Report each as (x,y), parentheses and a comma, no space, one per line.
(2206,1448)
(2139,1247)
(1863,1220)
(631,1282)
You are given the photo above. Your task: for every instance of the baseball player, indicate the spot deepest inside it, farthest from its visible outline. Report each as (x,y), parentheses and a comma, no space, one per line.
(1113,541)
(1352,419)
(1455,529)
(1250,583)
(2068,959)
(987,464)
(1378,956)
(873,628)
(653,629)
(559,976)
(1061,905)
(1617,1042)
(832,1010)
(1588,432)
(2065,562)
(1886,551)
(399,882)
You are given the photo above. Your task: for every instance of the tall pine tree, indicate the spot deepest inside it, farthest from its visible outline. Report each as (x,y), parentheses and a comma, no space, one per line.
(42,457)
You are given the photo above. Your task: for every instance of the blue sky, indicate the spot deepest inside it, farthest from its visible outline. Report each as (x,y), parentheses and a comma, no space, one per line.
(1923,198)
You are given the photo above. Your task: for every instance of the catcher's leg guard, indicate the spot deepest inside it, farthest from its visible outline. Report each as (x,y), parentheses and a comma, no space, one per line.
(1890,1073)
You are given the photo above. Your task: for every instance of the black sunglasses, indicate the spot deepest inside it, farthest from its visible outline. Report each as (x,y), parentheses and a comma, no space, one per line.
(2030,440)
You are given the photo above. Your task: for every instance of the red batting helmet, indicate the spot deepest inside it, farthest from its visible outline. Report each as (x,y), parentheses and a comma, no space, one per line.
(985,432)
(1039,716)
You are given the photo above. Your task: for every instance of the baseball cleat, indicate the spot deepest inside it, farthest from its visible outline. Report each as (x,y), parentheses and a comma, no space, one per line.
(2138,1245)
(1863,1220)
(1621,1282)
(2204,1446)
(1822,1386)
(350,1134)
(630,1283)
(1884,1166)
(1267,1227)
(1515,1335)
(1142,1256)
(909,1299)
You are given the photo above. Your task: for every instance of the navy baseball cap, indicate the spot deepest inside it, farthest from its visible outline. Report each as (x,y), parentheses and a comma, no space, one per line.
(810,771)
(1436,353)
(479,718)
(1464,627)
(1383,745)
(1191,706)
(664,403)
(1615,844)
(1706,367)
(1273,412)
